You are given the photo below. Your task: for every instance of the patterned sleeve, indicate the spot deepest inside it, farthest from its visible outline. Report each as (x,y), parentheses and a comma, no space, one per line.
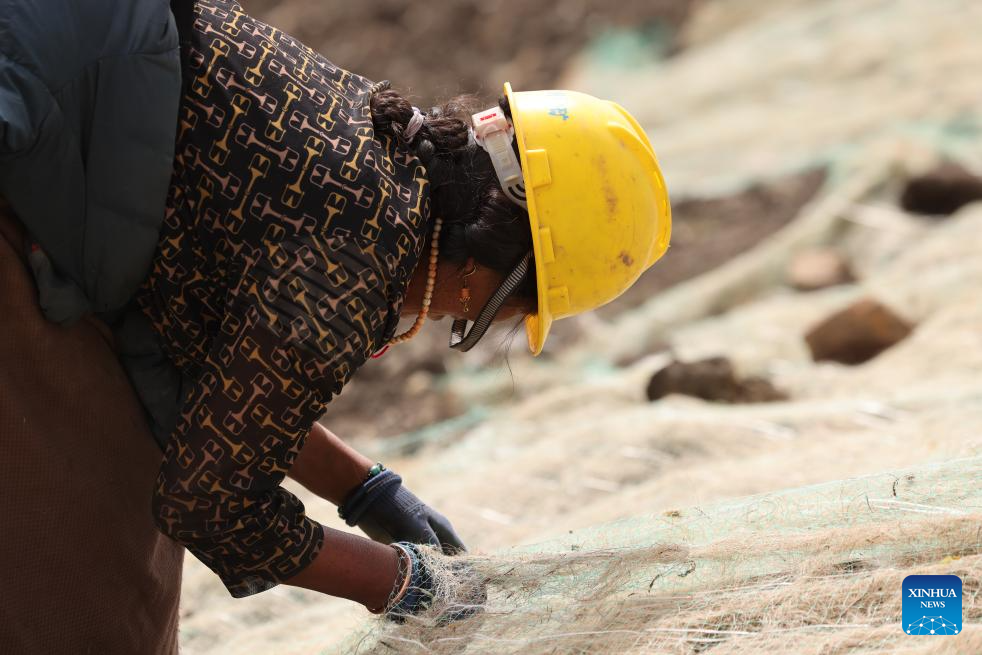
(305,316)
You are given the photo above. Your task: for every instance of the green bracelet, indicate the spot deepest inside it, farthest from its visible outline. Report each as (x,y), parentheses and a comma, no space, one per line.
(375,470)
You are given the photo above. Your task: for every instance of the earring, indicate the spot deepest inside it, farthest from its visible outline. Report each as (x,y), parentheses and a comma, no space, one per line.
(465,292)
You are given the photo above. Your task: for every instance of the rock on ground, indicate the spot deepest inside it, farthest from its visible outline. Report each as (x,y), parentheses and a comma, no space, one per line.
(941,191)
(711,379)
(818,268)
(857,333)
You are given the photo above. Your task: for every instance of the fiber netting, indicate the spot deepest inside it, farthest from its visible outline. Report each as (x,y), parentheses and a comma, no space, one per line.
(811,570)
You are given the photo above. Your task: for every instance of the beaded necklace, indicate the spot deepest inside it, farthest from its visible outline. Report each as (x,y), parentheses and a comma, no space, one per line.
(427,293)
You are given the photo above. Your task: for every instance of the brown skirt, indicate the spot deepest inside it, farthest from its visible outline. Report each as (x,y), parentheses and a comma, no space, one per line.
(82,568)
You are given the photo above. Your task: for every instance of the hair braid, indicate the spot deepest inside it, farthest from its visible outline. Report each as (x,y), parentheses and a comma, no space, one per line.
(444,127)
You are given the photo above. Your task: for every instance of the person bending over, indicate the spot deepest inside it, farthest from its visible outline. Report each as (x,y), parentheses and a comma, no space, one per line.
(308,209)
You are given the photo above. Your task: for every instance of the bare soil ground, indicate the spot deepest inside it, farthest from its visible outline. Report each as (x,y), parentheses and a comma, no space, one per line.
(438,50)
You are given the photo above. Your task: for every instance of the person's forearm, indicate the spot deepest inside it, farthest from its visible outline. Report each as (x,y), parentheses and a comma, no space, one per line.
(329,467)
(351,567)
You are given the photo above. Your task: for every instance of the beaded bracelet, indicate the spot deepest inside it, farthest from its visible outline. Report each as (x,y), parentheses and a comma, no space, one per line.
(377,468)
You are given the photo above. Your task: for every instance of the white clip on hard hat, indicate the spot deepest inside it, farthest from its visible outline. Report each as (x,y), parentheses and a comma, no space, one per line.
(494,133)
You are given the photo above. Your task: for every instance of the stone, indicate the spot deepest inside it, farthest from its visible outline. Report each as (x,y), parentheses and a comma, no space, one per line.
(857,333)
(941,191)
(712,379)
(818,268)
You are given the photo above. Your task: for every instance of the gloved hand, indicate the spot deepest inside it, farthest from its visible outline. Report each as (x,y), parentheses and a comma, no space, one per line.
(388,512)
(418,590)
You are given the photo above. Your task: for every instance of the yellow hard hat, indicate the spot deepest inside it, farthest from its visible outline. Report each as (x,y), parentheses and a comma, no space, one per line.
(596,201)
(595,197)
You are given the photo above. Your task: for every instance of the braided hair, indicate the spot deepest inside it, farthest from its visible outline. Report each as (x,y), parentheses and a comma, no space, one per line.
(479,220)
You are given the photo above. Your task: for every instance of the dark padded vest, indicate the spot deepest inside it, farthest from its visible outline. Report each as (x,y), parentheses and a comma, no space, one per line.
(89,91)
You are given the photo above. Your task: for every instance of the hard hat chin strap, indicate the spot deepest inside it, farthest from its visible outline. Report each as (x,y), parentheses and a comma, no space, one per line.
(464,342)
(493,132)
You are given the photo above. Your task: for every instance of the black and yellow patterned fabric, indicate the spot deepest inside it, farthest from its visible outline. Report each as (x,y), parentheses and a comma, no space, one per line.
(290,234)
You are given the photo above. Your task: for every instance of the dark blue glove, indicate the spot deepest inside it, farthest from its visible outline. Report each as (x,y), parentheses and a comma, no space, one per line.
(421,589)
(388,512)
